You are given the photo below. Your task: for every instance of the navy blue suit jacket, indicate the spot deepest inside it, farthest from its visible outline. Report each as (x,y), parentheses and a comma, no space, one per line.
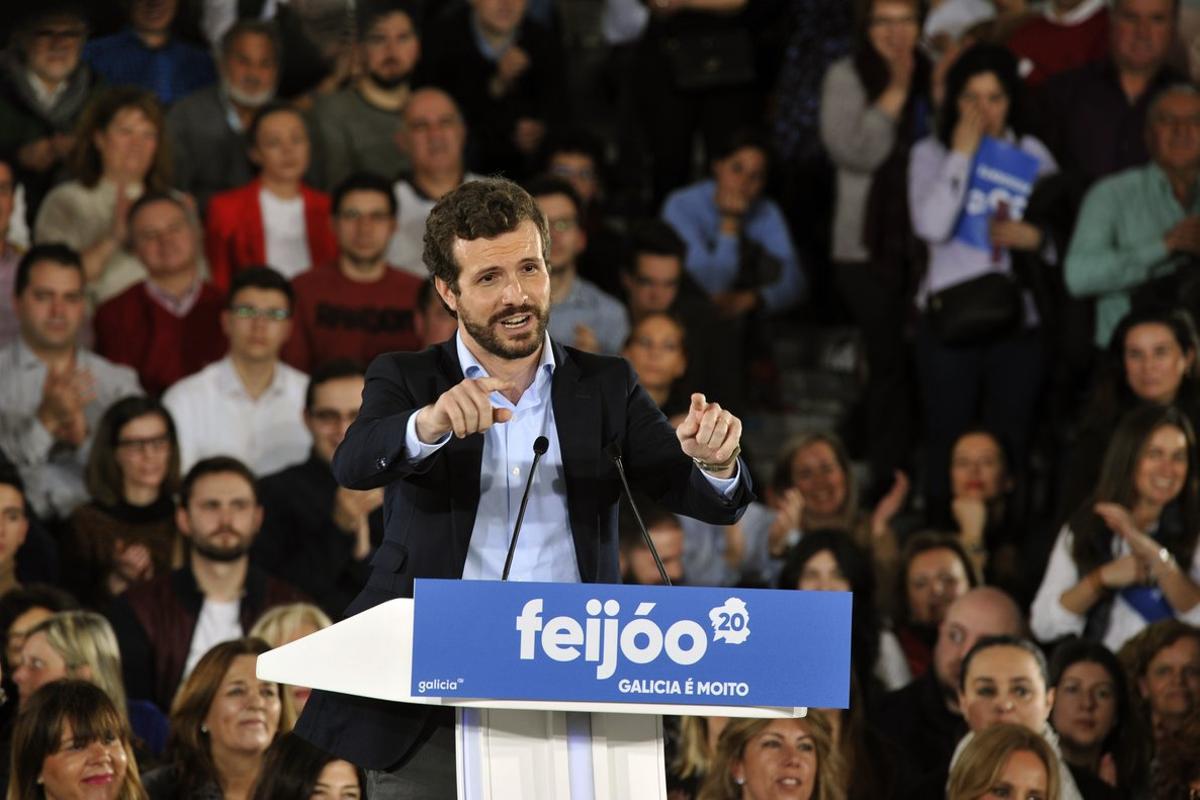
(429,510)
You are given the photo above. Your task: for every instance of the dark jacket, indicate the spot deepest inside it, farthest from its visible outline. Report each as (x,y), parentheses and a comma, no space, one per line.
(429,510)
(924,731)
(154,623)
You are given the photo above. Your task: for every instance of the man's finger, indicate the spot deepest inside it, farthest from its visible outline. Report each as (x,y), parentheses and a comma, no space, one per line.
(501,414)
(708,423)
(699,403)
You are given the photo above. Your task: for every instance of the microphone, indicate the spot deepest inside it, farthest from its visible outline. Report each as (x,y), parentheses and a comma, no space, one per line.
(540,445)
(613,450)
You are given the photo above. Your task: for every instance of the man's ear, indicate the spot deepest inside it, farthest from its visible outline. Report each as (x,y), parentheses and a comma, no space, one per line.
(448,295)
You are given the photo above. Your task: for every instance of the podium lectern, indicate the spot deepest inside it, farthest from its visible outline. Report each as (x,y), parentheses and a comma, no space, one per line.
(523,746)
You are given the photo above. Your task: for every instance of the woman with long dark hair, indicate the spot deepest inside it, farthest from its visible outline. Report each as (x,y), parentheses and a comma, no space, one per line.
(293,769)
(1128,557)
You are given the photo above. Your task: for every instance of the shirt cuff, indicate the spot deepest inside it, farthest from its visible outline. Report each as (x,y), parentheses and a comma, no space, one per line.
(416,450)
(724,486)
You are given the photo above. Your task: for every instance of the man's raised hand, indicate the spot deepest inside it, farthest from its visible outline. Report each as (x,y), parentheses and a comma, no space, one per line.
(463,409)
(711,435)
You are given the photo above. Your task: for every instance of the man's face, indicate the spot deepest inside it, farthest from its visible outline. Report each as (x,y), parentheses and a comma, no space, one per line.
(654,284)
(434,133)
(499,17)
(335,406)
(1171,684)
(257,323)
(164,239)
(222,516)
(251,70)
(1142,31)
(14,524)
(668,540)
(54,47)
(7,187)
(363,224)
(51,307)
(390,50)
(1173,132)
(567,239)
(969,618)
(152,15)
(503,294)
(580,170)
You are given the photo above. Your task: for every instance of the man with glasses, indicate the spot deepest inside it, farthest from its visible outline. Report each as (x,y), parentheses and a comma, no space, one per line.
(360,306)
(167,326)
(318,535)
(44,87)
(247,404)
(584,316)
(53,392)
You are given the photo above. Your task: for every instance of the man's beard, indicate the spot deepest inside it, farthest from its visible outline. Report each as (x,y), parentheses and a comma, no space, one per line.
(389,83)
(363,262)
(223,554)
(489,340)
(247,100)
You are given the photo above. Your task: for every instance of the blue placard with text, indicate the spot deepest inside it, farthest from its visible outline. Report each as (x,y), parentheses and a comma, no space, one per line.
(628,643)
(1001,173)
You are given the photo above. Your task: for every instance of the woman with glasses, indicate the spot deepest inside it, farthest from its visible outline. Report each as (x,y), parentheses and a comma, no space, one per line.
(126,533)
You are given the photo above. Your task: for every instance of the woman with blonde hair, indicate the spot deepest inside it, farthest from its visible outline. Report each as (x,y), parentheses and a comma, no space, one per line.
(1005,760)
(82,645)
(754,753)
(70,740)
(287,623)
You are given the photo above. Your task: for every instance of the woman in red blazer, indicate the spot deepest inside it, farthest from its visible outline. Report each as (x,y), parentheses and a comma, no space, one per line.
(275,219)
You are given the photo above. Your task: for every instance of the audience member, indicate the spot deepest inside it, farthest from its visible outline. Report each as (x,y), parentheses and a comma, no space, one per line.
(1177,767)
(82,645)
(276,218)
(1163,664)
(148,54)
(827,561)
(752,754)
(507,74)
(583,315)
(20,610)
(287,623)
(222,722)
(317,535)
(1142,223)
(924,719)
(656,351)
(690,744)
(119,154)
(167,326)
(983,498)
(10,254)
(874,105)
(247,404)
(293,769)
(357,126)
(69,732)
(666,531)
(359,306)
(935,570)
(126,533)
(434,137)
(1128,556)
(14,527)
(44,87)
(432,321)
(165,625)
(206,128)
(1065,35)
(1151,359)
(1005,760)
(1097,731)
(994,377)
(52,392)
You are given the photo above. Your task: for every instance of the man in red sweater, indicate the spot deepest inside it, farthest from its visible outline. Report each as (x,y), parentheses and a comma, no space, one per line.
(360,306)
(169,325)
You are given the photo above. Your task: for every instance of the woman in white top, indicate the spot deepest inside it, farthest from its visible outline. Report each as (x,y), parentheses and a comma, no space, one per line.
(1128,556)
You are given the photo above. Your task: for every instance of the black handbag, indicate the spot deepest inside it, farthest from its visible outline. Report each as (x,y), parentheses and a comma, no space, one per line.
(976,311)
(710,59)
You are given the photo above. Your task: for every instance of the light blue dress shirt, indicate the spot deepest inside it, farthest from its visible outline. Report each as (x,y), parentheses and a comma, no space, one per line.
(546,551)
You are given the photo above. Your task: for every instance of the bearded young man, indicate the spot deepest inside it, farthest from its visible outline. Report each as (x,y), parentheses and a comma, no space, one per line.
(448,432)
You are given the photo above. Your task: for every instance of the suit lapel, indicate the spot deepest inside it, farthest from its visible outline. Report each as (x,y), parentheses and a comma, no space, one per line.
(577,415)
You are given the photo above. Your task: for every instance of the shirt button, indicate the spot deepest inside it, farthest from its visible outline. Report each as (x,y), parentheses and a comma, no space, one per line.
(517,471)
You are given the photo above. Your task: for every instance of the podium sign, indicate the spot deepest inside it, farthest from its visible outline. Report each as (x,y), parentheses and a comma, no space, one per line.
(631,644)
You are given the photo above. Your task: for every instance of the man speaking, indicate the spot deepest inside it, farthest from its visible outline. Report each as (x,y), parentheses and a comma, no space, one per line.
(450,432)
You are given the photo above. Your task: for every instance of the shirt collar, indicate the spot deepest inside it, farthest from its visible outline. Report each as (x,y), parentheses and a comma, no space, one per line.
(489,52)
(1076,15)
(46,97)
(471,367)
(177,306)
(228,381)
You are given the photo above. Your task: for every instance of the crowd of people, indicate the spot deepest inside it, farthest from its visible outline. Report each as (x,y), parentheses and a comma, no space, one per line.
(212,219)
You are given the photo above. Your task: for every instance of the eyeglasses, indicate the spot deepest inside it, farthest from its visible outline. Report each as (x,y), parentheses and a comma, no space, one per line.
(378,217)
(563,224)
(331,416)
(59,34)
(251,312)
(149,444)
(583,173)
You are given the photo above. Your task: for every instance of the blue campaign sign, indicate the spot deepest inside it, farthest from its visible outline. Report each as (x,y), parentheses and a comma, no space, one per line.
(1001,174)
(625,643)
